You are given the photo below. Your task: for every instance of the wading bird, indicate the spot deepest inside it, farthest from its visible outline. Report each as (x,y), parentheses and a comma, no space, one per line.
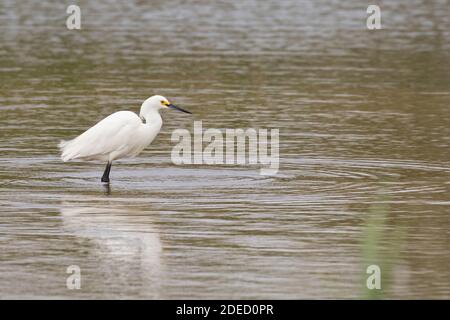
(123,134)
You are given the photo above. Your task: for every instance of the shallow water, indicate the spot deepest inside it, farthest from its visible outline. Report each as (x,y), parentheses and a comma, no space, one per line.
(364,150)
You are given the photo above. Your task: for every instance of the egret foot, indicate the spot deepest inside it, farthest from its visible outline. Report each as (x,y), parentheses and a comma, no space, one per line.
(107,188)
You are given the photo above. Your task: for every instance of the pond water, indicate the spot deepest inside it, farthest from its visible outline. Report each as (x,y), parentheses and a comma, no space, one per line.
(364,172)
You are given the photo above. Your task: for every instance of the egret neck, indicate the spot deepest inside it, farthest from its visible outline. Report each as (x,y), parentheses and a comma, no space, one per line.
(150,116)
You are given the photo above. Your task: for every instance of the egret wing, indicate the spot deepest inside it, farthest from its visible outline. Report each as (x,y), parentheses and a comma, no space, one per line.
(110,134)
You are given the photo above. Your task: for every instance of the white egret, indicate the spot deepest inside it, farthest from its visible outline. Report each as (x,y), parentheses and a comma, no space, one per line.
(122,134)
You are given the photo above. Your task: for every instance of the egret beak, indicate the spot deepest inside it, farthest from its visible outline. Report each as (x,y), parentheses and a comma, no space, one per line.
(178,108)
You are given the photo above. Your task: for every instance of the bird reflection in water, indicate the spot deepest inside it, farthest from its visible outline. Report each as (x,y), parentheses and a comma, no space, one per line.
(123,247)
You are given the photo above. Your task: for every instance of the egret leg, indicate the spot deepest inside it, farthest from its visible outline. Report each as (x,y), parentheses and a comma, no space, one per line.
(105,177)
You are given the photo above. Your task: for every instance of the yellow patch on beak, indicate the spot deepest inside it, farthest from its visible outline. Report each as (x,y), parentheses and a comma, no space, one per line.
(165,102)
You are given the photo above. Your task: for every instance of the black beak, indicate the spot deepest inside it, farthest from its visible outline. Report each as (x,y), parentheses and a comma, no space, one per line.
(178,108)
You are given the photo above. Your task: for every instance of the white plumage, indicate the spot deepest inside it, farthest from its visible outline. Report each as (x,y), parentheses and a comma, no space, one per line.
(121,134)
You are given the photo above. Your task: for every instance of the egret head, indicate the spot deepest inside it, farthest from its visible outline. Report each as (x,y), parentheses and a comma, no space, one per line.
(157,103)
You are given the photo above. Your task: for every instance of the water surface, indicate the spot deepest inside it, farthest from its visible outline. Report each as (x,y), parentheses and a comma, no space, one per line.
(364,150)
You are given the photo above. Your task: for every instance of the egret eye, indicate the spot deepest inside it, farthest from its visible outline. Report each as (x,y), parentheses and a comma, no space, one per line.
(165,103)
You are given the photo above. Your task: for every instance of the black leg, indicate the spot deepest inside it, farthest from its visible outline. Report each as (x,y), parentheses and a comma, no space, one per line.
(105,177)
